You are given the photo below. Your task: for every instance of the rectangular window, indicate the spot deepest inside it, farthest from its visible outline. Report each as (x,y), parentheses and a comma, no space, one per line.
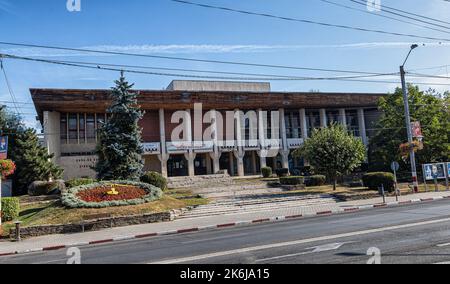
(293,128)
(312,120)
(90,127)
(73,128)
(82,127)
(353,122)
(332,117)
(63,128)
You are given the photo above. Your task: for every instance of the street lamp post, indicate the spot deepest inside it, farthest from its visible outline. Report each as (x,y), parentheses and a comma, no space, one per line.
(408,122)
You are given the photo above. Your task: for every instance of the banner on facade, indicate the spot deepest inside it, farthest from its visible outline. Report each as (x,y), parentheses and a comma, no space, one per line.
(3,147)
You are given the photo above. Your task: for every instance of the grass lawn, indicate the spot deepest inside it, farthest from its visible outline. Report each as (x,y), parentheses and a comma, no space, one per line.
(54,213)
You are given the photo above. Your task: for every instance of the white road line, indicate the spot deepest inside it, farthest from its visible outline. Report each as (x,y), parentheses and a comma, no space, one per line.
(443,245)
(298,242)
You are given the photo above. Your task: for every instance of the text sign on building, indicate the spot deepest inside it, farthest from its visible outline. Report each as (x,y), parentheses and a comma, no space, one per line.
(433,171)
(3,148)
(152,148)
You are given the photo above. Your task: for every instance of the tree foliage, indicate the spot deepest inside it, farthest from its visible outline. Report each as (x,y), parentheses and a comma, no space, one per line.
(430,108)
(33,163)
(119,147)
(333,151)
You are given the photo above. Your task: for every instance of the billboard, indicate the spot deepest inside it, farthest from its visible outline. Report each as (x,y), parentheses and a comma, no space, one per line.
(435,170)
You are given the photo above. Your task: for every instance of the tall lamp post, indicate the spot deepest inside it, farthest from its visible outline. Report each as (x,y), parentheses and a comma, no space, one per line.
(408,121)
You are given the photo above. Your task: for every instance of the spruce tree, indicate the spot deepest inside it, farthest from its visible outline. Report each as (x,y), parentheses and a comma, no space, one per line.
(119,148)
(32,161)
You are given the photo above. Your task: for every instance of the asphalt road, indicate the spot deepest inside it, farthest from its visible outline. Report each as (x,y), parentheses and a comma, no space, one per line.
(418,233)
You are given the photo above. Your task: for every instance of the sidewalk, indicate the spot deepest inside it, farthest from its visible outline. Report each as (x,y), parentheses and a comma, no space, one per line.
(53,242)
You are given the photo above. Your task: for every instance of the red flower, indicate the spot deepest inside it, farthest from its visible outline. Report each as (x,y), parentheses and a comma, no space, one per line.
(7,168)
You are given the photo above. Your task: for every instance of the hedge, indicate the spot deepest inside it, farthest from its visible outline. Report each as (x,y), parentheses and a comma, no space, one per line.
(282,172)
(155,179)
(266,172)
(69,197)
(292,180)
(374,180)
(38,188)
(316,180)
(10,208)
(79,181)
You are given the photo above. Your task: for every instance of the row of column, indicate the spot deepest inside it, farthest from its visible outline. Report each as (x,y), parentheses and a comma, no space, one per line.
(240,152)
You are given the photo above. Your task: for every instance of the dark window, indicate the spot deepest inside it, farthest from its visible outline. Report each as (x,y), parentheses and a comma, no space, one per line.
(73,128)
(90,127)
(82,127)
(63,128)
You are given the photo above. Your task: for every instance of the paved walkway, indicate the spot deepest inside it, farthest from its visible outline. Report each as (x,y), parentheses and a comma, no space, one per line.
(202,223)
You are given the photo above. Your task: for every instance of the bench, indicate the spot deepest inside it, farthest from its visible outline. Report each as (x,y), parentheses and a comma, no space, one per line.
(95,217)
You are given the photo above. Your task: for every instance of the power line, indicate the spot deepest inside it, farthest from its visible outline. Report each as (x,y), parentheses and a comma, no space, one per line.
(348,78)
(381,7)
(409,13)
(308,21)
(186,59)
(8,85)
(98,67)
(383,16)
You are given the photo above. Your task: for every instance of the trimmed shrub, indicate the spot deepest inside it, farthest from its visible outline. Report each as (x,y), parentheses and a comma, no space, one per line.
(79,181)
(155,179)
(316,180)
(292,180)
(283,172)
(10,208)
(374,180)
(266,172)
(70,197)
(38,188)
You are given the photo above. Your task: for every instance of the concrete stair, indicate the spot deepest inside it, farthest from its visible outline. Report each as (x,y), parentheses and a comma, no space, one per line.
(207,181)
(256,203)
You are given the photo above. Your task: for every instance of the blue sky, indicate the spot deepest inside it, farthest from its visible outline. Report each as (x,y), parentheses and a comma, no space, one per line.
(162,27)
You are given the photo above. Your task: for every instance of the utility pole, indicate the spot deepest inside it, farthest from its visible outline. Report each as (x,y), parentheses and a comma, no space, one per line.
(408,122)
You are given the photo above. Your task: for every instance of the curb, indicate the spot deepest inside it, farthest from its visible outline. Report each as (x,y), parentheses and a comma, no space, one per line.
(230,225)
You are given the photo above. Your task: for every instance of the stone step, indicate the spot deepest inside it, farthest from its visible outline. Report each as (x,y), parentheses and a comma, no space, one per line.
(249,209)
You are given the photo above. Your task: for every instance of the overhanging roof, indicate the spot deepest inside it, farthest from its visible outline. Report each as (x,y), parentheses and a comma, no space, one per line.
(90,101)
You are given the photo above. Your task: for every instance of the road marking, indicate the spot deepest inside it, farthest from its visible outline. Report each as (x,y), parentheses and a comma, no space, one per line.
(444,245)
(446,263)
(318,249)
(298,242)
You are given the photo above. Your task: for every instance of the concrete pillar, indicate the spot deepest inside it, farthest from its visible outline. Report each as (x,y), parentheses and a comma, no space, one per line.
(323,118)
(231,158)
(255,170)
(190,157)
(285,147)
(240,163)
(362,126)
(303,123)
(163,157)
(343,117)
(208,165)
(216,162)
(262,137)
(52,133)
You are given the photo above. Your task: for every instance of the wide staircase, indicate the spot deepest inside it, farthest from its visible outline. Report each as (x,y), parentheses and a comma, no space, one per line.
(233,196)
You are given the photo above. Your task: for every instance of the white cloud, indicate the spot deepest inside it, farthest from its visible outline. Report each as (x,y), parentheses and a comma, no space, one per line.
(206,48)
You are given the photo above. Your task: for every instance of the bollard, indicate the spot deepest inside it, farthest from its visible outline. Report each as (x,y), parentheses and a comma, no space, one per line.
(17,223)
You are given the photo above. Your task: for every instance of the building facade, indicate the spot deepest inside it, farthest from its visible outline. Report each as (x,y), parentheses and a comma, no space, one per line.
(201,127)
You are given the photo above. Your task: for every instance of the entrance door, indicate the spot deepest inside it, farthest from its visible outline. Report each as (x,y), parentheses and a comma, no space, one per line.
(177,166)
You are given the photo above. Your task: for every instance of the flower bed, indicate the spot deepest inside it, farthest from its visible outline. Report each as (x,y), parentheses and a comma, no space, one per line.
(108,194)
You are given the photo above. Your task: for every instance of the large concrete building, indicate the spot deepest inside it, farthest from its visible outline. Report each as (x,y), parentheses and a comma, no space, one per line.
(261,121)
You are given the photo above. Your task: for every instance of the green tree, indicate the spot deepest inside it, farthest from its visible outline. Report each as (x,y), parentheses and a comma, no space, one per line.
(430,108)
(119,147)
(32,160)
(333,152)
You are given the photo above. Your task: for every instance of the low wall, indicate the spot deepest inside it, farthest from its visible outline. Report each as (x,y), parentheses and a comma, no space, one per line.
(94,225)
